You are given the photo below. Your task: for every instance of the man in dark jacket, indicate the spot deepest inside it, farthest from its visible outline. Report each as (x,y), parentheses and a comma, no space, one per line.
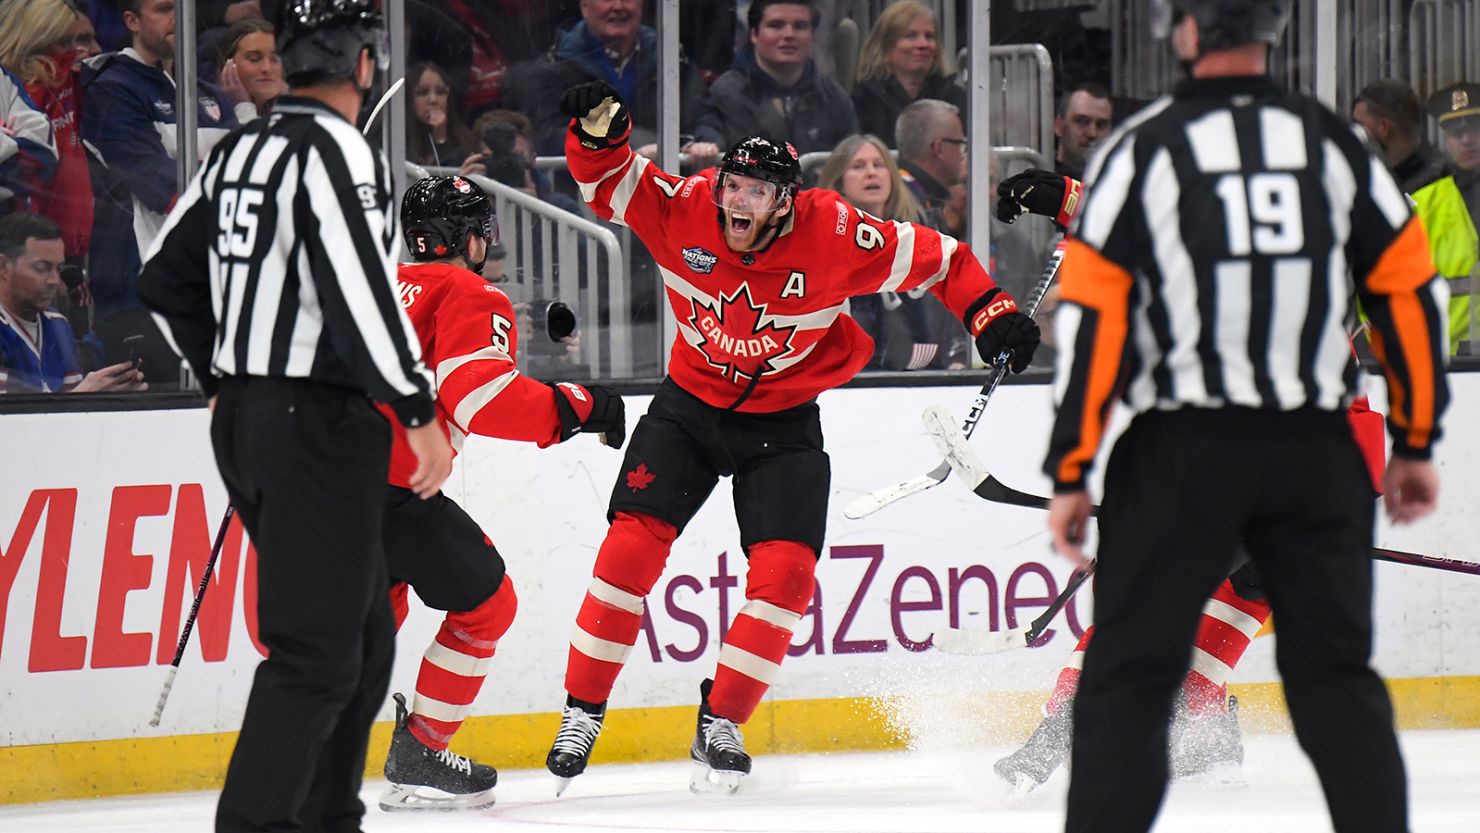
(1391,114)
(609,44)
(128,113)
(775,88)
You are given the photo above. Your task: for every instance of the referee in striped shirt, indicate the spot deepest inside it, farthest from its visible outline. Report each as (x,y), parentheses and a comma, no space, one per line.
(274,277)
(1210,283)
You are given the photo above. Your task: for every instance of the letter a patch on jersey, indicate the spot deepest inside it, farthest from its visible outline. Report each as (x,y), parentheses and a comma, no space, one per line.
(796,286)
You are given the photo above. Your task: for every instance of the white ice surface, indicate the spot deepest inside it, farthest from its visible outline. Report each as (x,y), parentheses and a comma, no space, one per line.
(903,792)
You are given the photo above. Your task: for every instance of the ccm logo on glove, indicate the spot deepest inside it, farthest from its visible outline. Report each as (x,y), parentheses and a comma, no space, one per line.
(984,317)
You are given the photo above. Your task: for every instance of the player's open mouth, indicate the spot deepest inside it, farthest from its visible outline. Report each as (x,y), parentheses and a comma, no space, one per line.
(739,225)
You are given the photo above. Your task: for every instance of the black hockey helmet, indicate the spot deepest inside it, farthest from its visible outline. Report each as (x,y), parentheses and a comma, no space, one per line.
(321,40)
(1222,24)
(438,214)
(762,158)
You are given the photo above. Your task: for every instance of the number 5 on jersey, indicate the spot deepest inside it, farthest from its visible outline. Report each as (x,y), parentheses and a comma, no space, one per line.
(500,338)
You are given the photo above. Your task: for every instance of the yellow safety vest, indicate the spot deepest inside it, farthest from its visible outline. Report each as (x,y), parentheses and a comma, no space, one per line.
(1455,247)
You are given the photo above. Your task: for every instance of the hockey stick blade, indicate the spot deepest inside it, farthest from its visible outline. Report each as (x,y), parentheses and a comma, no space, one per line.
(876,500)
(385,98)
(866,505)
(974,642)
(951,443)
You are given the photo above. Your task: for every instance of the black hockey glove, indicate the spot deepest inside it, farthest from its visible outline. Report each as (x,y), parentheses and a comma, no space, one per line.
(600,115)
(997,324)
(1037,191)
(591,410)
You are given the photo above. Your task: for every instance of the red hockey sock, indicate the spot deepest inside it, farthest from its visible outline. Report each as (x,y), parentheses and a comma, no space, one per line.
(628,565)
(1068,683)
(455,664)
(778,587)
(1229,623)
(399,605)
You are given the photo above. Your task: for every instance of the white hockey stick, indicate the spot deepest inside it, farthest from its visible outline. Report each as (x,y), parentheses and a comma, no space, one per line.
(385,99)
(972,642)
(872,502)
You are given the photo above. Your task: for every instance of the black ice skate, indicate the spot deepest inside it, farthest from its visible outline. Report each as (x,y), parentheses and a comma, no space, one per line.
(718,751)
(424,779)
(1207,747)
(580,723)
(1046,748)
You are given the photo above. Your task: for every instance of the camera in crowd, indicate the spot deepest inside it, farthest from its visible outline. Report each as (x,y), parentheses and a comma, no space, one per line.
(504,164)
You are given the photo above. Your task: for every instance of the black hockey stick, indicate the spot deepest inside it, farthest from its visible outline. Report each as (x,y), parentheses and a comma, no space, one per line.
(874,501)
(977,642)
(200,595)
(996,491)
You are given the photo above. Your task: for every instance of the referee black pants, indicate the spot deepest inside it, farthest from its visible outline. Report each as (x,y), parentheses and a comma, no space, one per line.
(1182,491)
(305,464)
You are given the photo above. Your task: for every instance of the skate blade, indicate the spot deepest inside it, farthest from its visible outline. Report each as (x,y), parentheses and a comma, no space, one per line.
(1020,785)
(1226,774)
(412,798)
(706,781)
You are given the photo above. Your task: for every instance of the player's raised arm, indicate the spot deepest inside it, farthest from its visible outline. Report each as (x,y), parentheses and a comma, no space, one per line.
(895,256)
(617,183)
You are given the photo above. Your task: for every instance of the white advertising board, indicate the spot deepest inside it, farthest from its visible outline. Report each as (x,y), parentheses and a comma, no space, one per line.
(107,519)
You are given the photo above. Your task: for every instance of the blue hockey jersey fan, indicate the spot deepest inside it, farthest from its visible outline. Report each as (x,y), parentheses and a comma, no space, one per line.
(37,356)
(129,119)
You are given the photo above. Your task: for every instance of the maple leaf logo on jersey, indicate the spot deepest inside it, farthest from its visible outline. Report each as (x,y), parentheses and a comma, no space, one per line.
(735,340)
(640,478)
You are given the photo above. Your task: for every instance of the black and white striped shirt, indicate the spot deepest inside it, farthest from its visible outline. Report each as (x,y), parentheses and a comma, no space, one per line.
(1226,235)
(280,260)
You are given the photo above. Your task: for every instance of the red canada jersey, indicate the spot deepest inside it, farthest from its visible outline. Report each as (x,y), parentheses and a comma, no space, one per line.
(776,313)
(469,341)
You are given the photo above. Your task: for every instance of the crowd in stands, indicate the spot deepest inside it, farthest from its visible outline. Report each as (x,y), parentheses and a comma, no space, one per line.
(88,139)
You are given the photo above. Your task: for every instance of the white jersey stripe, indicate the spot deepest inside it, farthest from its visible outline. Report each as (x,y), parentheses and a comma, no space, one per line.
(1161,195)
(1233,617)
(1232,279)
(1291,295)
(481,396)
(1214,143)
(904,257)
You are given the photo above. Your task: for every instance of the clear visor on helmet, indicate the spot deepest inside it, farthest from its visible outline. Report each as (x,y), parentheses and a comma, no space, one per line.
(1163,17)
(490,230)
(745,193)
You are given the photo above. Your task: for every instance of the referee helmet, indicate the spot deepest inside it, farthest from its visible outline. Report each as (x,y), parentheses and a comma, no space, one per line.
(1223,24)
(321,40)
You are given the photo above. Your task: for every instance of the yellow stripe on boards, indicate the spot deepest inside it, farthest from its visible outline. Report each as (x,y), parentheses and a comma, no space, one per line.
(91,769)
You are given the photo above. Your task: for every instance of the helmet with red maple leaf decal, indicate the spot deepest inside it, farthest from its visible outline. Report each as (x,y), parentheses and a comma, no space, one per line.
(439,213)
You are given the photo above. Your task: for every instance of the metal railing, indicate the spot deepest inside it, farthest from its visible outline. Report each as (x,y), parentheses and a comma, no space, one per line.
(1443,44)
(541,238)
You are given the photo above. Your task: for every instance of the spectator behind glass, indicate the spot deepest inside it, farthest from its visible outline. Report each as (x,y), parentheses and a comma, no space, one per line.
(1390,112)
(506,154)
(128,116)
(932,159)
(251,72)
(609,44)
(27,148)
(775,89)
(435,131)
(1083,119)
(42,42)
(910,331)
(37,352)
(901,62)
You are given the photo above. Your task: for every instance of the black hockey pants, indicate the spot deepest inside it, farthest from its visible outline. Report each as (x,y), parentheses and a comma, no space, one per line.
(305,464)
(1182,491)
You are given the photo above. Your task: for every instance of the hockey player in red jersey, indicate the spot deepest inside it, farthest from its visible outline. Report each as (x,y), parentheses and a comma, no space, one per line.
(756,272)
(467,333)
